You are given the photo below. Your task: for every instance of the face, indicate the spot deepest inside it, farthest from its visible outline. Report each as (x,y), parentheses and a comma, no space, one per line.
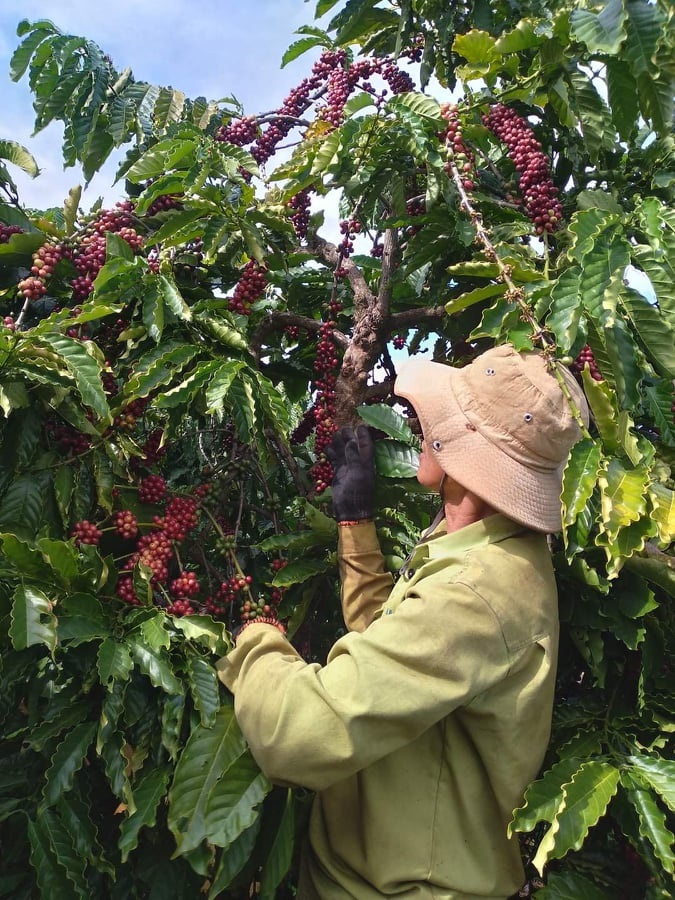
(429,473)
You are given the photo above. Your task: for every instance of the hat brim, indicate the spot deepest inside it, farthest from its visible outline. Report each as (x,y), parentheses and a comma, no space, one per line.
(527,496)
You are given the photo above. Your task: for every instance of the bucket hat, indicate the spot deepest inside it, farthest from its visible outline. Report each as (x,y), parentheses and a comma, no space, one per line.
(501,427)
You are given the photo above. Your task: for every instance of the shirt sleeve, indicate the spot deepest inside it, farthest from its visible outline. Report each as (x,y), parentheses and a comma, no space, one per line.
(312,726)
(365,582)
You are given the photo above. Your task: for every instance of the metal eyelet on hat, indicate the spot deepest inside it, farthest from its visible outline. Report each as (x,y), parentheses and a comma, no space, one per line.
(528,417)
(489,371)
(437,445)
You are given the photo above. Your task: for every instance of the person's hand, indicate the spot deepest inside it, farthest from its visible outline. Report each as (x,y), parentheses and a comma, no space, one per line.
(351,454)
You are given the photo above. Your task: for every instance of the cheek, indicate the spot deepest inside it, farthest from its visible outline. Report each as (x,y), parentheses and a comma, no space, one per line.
(429,472)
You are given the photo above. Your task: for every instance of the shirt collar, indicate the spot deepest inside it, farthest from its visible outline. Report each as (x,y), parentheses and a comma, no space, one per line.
(489,530)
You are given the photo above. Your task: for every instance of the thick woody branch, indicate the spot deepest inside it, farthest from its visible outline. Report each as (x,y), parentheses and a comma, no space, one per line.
(277,320)
(408,317)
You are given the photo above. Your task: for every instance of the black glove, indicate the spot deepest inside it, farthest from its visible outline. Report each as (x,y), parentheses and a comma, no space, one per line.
(351,453)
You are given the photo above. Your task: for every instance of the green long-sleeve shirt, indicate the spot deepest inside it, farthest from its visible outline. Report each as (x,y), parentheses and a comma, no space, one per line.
(427,722)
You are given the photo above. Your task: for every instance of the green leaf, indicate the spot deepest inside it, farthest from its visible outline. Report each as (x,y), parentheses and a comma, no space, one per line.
(219,386)
(153,312)
(579,479)
(659,775)
(67,761)
(83,368)
(205,768)
(319,522)
(62,719)
(234,805)
(279,847)
(156,665)
(22,55)
(82,618)
(654,331)
(223,331)
(543,797)
(51,877)
(478,48)
(61,842)
(61,556)
(623,97)
(117,248)
(297,48)
(298,571)
(157,370)
(182,395)
(154,632)
(570,886)
(602,33)
(22,506)
(24,557)
(114,661)
(653,826)
(173,711)
(32,620)
(394,459)
(586,799)
(168,108)
(420,104)
(76,814)
(623,494)
(233,859)
(173,299)
(469,298)
(206,632)
(204,688)
(663,510)
(644,28)
(148,794)
(384,418)
(242,404)
(604,409)
(19,156)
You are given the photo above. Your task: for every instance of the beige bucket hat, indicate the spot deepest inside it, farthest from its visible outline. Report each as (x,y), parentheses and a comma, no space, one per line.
(501,427)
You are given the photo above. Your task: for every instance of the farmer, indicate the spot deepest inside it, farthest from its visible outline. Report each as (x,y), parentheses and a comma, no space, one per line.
(433,713)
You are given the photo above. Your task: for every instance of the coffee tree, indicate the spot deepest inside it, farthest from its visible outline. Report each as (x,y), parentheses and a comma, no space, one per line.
(173,368)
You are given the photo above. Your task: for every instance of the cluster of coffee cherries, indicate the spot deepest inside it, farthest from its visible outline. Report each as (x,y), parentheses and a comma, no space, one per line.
(300,204)
(348,228)
(239,131)
(398,341)
(163,204)
(128,418)
(462,155)
(540,195)
(586,358)
(332,80)
(89,254)
(45,260)
(250,287)
(6,231)
(68,440)
(325,366)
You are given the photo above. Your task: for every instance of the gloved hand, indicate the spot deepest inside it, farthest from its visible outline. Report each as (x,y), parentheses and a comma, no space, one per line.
(351,454)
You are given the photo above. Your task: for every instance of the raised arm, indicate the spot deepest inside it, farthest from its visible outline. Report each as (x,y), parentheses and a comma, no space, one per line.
(365,583)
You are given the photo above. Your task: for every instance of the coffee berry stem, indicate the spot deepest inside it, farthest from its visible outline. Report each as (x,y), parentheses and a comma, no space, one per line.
(514,292)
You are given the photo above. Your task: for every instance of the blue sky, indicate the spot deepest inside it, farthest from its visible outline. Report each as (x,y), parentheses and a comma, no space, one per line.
(215,48)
